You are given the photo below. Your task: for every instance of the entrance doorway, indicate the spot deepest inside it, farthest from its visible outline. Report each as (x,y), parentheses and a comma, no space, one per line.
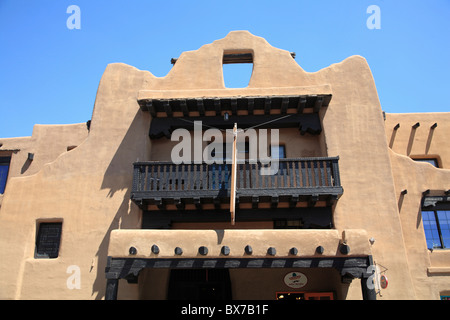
(199,284)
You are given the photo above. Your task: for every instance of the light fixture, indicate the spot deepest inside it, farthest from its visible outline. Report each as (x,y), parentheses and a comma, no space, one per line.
(226,116)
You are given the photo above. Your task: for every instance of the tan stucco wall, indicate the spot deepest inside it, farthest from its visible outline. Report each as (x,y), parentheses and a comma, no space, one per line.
(88,188)
(422,142)
(430,270)
(85,188)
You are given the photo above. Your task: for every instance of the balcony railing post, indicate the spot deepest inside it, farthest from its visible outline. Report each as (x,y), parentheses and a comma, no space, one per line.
(337,178)
(136,177)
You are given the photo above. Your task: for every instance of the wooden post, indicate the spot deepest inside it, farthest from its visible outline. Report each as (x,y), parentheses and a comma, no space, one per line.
(112,286)
(233,177)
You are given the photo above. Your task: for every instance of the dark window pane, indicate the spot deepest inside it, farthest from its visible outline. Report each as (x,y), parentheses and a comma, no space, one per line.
(431,230)
(48,239)
(3,176)
(4,168)
(444,224)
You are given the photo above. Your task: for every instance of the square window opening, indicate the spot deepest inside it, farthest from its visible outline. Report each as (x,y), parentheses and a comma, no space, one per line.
(48,240)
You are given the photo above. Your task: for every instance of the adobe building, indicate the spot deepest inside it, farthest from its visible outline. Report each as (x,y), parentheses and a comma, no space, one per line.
(359,208)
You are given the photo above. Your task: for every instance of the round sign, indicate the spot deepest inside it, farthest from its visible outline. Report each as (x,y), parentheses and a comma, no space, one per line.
(383,282)
(295,280)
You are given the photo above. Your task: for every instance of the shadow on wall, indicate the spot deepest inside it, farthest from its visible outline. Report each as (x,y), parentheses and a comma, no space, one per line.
(118,177)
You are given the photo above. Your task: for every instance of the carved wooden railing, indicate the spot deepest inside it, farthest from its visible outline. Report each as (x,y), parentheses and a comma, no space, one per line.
(295,177)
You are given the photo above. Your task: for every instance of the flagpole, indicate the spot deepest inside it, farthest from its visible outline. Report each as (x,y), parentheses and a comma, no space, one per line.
(233,176)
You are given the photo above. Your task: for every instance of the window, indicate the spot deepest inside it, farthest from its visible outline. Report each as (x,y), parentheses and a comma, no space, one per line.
(4,168)
(432,161)
(436,224)
(279,152)
(48,240)
(237,69)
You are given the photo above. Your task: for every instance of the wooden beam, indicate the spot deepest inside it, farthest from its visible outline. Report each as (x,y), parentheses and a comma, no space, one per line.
(284,104)
(217,106)
(267,105)
(318,104)
(301,104)
(251,106)
(167,108)
(184,108)
(151,108)
(200,107)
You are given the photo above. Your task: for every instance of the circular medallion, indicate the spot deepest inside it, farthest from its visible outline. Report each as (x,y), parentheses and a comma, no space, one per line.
(295,280)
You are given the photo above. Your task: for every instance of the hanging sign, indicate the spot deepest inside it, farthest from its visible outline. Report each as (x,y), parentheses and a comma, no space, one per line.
(295,280)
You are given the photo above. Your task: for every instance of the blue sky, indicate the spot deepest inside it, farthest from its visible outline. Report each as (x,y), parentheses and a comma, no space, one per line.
(49,74)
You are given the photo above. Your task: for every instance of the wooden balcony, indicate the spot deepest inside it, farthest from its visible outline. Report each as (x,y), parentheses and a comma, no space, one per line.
(297,180)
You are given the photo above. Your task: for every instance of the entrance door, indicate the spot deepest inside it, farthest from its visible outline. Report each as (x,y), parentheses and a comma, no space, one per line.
(199,284)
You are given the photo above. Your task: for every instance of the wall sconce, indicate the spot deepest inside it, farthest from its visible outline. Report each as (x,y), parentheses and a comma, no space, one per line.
(248,249)
(397,126)
(416,125)
(30,156)
(203,250)
(226,116)
(434,126)
(404,192)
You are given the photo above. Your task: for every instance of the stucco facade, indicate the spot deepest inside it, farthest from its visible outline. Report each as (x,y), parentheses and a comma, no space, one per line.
(82,176)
